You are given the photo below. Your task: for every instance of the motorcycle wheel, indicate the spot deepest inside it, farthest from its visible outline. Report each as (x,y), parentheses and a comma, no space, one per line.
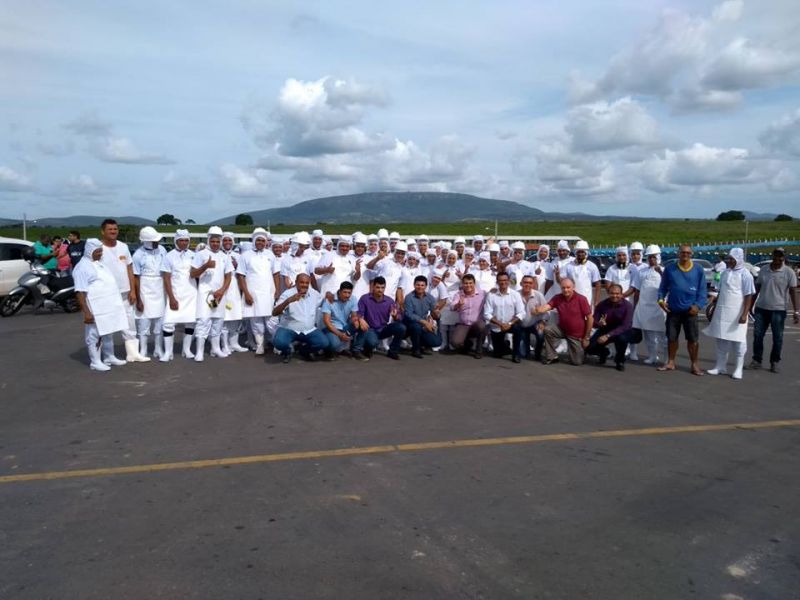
(71,305)
(11,304)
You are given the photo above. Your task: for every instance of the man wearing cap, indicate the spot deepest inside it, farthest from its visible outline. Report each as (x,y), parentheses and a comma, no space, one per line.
(258,274)
(231,324)
(422,244)
(459,244)
(298,260)
(636,256)
(541,268)
(774,283)
(682,295)
(648,316)
(517,267)
(335,267)
(394,237)
(117,259)
(297,309)
(478,242)
(390,268)
(213,270)
(360,258)
(147,262)
(181,292)
(379,319)
(574,323)
(584,273)
(468,303)
(558,268)
(317,248)
(504,311)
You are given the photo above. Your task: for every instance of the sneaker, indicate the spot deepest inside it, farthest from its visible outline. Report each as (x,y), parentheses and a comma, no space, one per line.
(773,367)
(515,359)
(393,355)
(754,365)
(359,356)
(286,358)
(416,354)
(620,367)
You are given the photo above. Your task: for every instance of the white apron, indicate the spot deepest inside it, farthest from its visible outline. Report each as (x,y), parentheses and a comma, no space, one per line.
(151,290)
(260,285)
(562,271)
(209,283)
(648,315)
(725,322)
(361,285)
(105,302)
(184,289)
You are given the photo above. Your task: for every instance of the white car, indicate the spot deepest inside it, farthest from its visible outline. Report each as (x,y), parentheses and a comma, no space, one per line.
(12,265)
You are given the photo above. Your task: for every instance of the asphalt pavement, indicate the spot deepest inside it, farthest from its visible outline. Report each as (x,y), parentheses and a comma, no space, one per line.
(445,477)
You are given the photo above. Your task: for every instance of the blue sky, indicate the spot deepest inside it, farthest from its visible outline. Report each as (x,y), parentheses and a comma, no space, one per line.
(204,109)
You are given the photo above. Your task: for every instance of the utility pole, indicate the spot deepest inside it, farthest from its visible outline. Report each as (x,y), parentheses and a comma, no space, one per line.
(24,226)
(746,238)
(495,229)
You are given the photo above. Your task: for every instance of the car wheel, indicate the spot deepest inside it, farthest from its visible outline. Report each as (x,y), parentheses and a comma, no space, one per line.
(11,304)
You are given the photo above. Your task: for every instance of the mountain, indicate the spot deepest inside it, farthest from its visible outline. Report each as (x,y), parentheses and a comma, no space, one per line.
(755,216)
(395,207)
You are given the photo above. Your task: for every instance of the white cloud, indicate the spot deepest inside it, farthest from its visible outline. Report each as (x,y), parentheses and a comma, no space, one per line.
(700,165)
(560,170)
(743,64)
(122,150)
(85,185)
(785,180)
(185,186)
(89,124)
(56,148)
(604,126)
(730,10)
(783,136)
(12,181)
(242,183)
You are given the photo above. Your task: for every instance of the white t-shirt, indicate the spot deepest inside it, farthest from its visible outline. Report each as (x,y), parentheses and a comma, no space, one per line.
(116,259)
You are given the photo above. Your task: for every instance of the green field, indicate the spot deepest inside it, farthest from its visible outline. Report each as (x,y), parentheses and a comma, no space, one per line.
(597,233)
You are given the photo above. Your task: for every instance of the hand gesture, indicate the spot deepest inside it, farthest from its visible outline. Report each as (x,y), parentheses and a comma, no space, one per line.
(297,297)
(363,325)
(602,321)
(329,297)
(394,312)
(211,263)
(218,295)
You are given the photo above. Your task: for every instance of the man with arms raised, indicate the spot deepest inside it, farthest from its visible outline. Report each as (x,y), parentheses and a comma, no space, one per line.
(297,309)
(574,323)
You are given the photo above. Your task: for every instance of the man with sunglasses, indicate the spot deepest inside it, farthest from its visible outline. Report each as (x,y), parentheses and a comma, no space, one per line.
(682,295)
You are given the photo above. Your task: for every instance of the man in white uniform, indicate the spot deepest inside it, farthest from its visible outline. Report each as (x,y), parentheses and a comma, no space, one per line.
(231,324)
(558,269)
(584,274)
(517,267)
(391,269)
(150,303)
(103,311)
(648,316)
(335,267)
(213,270)
(181,292)
(541,268)
(636,256)
(117,259)
(298,260)
(258,273)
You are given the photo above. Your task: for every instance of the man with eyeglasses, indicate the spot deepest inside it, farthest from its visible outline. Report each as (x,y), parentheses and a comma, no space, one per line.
(682,295)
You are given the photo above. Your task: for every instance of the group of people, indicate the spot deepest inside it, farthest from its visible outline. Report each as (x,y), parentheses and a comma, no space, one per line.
(57,254)
(381,292)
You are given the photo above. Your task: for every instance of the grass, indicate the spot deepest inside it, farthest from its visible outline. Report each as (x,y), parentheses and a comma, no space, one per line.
(597,233)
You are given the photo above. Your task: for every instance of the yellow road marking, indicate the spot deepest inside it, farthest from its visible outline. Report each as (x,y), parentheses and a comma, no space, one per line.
(389,448)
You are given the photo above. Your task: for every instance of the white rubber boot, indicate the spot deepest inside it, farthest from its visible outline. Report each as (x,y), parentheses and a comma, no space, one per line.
(652,351)
(259,344)
(110,358)
(223,344)
(158,349)
(215,349)
(233,343)
(187,346)
(200,349)
(169,345)
(738,369)
(132,350)
(143,337)
(722,359)
(95,364)
(634,355)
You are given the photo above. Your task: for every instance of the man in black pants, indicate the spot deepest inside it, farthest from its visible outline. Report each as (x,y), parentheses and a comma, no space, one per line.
(614,319)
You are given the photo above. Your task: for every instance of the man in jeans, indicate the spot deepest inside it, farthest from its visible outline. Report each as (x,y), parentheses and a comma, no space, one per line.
(379,318)
(297,309)
(340,317)
(421,310)
(468,303)
(774,283)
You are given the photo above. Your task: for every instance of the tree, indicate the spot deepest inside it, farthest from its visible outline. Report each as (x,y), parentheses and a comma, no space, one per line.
(244,219)
(190,221)
(168,219)
(783,217)
(731,215)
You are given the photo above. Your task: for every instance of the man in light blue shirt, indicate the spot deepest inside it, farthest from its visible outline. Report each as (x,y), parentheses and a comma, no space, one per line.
(340,317)
(297,309)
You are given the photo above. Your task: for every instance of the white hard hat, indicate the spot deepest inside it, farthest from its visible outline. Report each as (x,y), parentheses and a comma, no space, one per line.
(460,240)
(447,245)
(430,251)
(215,230)
(651,249)
(401,246)
(383,234)
(302,238)
(469,250)
(345,239)
(638,246)
(494,247)
(518,246)
(422,238)
(503,243)
(326,239)
(394,236)
(411,242)
(182,234)
(359,238)
(259,232)
(316,233)
(372,237)
(149,234)
(484,256)
(563,245)
(582,245)
(229,235)
(478,238)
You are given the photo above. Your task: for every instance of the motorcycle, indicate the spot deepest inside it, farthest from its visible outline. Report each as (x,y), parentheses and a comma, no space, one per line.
(42,289)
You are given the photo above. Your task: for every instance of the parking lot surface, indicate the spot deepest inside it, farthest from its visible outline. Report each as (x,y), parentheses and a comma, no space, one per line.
(445,477)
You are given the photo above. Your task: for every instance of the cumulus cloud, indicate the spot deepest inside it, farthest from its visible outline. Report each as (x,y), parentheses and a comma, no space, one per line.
(123,150)
(85,185)
(56,148)
(89,124)
(700,165)
(693,63)
(13,181)
(558,169)
(314,118)
(179,185)
(604,126)
(242,183)
(783,136)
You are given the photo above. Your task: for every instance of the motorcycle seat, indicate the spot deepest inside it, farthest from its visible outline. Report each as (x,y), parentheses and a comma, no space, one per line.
(60,283)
